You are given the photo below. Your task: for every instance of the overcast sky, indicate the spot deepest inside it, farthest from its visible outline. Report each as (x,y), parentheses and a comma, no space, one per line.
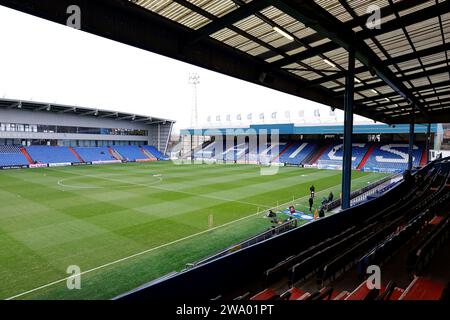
(47,62)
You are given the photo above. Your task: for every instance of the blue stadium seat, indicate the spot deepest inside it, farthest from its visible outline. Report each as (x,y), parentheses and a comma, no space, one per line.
(12,156)
(130,153)
(335,154)
(51,154)
(392,158)
(297,152)
(156,153)
(89,154)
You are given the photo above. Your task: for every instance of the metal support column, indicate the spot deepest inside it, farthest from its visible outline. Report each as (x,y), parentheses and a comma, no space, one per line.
(192,148)
(348,130)
(411,141)
(428,142)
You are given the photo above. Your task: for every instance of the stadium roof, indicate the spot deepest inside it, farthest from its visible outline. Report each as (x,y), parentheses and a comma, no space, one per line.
(290,128)
(81,111)
(295,46)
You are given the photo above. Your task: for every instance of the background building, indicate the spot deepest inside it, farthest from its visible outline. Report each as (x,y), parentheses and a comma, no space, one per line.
(26,123)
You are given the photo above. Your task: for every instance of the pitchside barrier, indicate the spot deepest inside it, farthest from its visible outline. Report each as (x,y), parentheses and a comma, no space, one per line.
(13,167)
(38,165)
(382,170)
(249,242)
(332,165)
(355,194)
(62,164)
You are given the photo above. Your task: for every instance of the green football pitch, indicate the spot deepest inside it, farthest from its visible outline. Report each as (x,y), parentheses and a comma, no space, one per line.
(125,225)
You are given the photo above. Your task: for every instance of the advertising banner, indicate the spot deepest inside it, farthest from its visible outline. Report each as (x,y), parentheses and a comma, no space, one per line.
(146,160)
(61,164)
(38,165)
(106,162)
(81,163)
(13,167)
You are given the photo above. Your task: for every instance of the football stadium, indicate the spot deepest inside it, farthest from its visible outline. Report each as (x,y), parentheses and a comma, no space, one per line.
(99,204)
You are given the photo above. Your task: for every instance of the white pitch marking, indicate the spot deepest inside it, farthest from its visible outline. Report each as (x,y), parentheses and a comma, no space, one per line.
(165,189)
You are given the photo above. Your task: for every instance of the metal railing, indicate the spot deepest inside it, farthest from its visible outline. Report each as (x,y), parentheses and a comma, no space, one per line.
(336,203)
(249,242)
(379,189)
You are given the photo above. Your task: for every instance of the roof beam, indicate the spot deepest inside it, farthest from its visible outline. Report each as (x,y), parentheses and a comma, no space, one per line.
(74,109)
(46,107)
(110,114)
(89,113)
(436,85)
(16,105)
(143,119)
(406,20)
(132,116)
(430,12)
(228,19)
(410,77)
(315,17)
(385,11)
(396,60)
(428,104)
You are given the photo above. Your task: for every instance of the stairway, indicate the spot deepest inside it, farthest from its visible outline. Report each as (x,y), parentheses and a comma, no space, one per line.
(148,154)
(396,294)
(76,154)
(115,154)
(366,157)
(25,153)
(316,154)
(283,151)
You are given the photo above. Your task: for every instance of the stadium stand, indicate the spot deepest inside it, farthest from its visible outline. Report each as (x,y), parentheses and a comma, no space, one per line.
(422,289)
(334,154)
(12,155)
(22,156)
(94,154)
(51,154)
(297,152)
(392,158)
(130,153)
(206,150)
(76,154)
(155,152)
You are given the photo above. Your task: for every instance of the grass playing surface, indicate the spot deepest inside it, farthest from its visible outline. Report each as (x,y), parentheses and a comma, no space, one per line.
(125,225)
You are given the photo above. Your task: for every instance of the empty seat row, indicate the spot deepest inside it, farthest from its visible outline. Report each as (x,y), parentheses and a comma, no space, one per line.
(89,154)
(51,154)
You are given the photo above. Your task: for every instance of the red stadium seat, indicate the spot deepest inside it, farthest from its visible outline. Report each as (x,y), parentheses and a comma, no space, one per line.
(264,295)
(423,289)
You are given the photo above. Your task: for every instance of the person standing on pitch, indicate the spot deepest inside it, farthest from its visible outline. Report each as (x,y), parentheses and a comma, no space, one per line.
(311,202)
(312,190)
